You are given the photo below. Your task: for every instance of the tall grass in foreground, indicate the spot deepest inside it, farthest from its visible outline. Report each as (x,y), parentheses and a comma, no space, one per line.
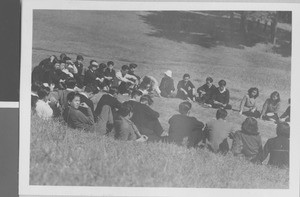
(62,156)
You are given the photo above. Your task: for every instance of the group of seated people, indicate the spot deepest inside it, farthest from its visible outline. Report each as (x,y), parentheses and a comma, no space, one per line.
(69,98)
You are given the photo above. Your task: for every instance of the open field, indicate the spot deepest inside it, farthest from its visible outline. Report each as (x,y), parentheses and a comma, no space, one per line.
(156,43)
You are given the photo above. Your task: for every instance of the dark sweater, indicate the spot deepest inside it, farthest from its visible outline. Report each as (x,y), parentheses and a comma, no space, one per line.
(166,86)
(208,91)
(76,119)
(221,97)
(109,100)
(182,126)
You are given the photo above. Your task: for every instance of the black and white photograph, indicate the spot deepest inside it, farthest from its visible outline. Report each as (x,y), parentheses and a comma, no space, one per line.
(190,99)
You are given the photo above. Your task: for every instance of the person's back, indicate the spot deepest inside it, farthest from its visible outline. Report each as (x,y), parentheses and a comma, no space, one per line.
(278,147)
(167,85)
(109,100)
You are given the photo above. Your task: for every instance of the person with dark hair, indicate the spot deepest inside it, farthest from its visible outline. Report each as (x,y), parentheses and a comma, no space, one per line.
(217,133)
(109,74)
(149,86)
(185,88)
(79,66)
(45,65)
(185,130)
(91,78)
(43,109)
(135,98)
(132,68)
(62,94)
(125,81)
(206,91)
(106,109)
(63,57)
(247,141)
(146,119)
(87,94)
(55,76)
(278,147)
(125,129)
(249,102)
(100,75)
(167,85)
(75,117)
(271,107)
(286,116)
(220,97)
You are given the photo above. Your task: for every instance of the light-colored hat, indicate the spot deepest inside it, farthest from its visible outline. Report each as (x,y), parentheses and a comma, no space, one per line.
(168,73)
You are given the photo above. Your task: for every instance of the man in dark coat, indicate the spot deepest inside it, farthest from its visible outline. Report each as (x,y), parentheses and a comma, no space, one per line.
(167,85)
(206,91)
(91,77)
(146,119)
(85,96)
(184,129)
(45,65)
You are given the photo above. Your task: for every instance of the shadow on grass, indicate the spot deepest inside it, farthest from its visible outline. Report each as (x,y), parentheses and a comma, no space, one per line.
(209,29)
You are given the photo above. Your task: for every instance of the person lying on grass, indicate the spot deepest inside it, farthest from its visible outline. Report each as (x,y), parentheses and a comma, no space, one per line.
(249,102)
(146,119)
(285,117)
(217,133)
(185,88)
(167,85)
(75,116)
(185,130)
(220,97)
(206,91)
(278,147)
(247,141)
(124,128)
(43,109)
(271,107)
(79,76)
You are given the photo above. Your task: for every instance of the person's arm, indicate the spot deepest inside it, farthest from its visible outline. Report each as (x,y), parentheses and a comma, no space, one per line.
(286,113)
(277,108)
(264,109)
(243,102)
(121,78)
(82,121)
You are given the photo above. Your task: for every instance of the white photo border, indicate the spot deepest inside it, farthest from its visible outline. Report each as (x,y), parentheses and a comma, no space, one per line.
(25,110)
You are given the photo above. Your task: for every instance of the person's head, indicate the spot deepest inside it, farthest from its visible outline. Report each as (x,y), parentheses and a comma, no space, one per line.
(185,107)
(168,73)
(94,65)
(62,65)
(62,56)
(125,69)
(275,97)
(43,93)
(90,90)
(73,99)
(222,84)
(102,66)
(56,65)
(221,114)
(186,77)
(250,126)
(253,92)
(71,83)
(136,94)
(110,64)
(209,81)
(146,99)
(132,67)
(79,58)
(113,91)
(283,129)
(125,110)
(53,58)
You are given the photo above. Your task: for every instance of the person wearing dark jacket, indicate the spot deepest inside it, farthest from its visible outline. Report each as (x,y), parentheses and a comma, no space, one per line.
(278,147)
(109,74)
(90,77)
(220,97)
(167,85)
(146,119)
(185,88)
(79,76)
(184,129)
(206,91)
(135,98)
(77,118)
(247,142)
(85,96)
(45,65)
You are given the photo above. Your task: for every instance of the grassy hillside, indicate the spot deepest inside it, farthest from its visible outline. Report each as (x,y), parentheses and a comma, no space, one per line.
(126,37)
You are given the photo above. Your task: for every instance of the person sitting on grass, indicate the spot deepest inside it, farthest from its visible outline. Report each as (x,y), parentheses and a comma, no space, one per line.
(206,91)
(109,74)
(132,68)
(135,98)
(146,119)
(167,85)
(247,141)
(149,86)
(217,133)
(271,107)
(278,147)
(43,109)
(287,114)
(125,81)
(87,94)
(184,129)
(75,117)
(62,94)
(91,78)
(80,75)
(185,88)
(220,97)
(124,128)
(249,102)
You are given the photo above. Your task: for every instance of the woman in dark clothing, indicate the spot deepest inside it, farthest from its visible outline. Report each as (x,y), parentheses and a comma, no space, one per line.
(247,142)
(167,85)
(220,97)
(185,88)
(278,147)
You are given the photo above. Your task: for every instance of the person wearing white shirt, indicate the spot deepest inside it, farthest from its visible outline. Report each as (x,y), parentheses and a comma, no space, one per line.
(43,109)
(123,80)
